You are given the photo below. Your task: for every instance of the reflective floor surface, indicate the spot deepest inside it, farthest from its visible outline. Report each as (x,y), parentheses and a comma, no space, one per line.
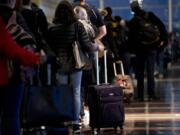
(160,117)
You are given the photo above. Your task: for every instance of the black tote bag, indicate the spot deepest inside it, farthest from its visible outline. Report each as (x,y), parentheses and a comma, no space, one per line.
(48,105)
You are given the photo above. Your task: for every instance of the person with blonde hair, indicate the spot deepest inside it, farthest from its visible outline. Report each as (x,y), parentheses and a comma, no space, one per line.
(83,17)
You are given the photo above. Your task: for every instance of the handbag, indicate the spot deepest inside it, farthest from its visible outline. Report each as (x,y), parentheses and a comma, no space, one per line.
(82,60)
(48,105)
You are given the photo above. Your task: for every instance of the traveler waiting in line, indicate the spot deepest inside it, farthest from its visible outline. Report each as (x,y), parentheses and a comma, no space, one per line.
(36,20)
(10,99)
(95,17)
(88,77)
(120,36)
(83,17)
(61,35)
(108,41)
(38,25)
(10,115)
(145,46)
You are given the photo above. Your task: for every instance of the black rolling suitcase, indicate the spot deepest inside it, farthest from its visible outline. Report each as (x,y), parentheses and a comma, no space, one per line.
(105,103)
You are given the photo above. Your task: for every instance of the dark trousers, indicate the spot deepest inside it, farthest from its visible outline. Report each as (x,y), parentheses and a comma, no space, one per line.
(88,78)
(145,61)
(125,57)
(10,102)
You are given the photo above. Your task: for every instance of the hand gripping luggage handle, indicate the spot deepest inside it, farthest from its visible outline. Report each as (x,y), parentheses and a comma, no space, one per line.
(121,67)
(105,67)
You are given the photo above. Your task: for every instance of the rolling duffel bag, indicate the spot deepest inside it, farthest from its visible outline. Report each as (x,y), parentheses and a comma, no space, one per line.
(124,81)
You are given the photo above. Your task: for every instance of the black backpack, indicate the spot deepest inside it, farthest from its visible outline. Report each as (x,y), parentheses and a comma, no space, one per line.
(148,33)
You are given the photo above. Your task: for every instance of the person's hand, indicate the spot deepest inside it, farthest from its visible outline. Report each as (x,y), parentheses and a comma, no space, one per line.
(38,61)
(101,48)
(100,45)
(43,56)
(162,43)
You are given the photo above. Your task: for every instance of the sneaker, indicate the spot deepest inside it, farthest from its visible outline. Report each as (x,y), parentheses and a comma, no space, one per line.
(76,129)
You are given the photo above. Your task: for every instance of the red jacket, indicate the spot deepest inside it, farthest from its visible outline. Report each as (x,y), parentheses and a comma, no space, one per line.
(9,49)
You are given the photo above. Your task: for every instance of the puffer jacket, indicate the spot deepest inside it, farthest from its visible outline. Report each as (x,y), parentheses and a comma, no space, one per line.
(61,38)
(11,50)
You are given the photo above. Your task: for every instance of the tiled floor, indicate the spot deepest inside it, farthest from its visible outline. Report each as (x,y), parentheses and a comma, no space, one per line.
(161,117)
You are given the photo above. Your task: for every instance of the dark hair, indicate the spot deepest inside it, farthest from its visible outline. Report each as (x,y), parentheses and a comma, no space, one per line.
(26,2)
(117,18)
(109,10)
(64,13)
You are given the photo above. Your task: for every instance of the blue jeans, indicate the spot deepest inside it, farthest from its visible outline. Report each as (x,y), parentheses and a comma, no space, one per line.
(74,79)
(10,102)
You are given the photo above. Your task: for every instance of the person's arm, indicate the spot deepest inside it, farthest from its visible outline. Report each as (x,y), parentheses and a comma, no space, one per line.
(10,49)
(99,24)
(101,32)
(163,32)
(84,40)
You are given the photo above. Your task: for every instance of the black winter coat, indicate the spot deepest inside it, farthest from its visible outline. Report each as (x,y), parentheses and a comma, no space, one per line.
(60,40)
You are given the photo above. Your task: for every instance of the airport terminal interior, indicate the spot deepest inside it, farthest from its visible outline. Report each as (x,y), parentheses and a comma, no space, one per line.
(160,116)
(157,117)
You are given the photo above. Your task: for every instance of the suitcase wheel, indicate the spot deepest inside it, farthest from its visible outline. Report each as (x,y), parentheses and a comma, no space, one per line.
(98,130)
(121,127)
(95,131)
(115,128)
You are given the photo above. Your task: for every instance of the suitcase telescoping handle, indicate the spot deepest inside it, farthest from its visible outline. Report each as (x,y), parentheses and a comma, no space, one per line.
(105,67)
(121,67)
(49,74)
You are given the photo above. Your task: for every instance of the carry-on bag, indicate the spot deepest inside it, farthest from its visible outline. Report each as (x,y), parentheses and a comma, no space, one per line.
(47,105)
(124,81)
(105,102)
